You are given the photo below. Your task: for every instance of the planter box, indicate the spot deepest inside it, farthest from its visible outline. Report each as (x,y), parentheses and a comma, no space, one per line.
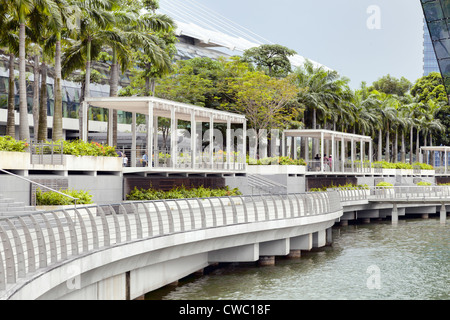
(89,163)
(427,172)
(14,160)
(389,172)
(405,172)
(275,169)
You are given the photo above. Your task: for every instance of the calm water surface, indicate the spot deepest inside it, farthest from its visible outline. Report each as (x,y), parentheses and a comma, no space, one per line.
(373,261)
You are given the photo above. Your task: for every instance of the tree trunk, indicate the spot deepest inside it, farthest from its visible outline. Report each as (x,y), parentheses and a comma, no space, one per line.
(36,97)
(42,134)
(380,145)
(432,152)
(417,144)
(57,130)
(411,140)
(24,127)
(87,82)
(113,89)
(388,153)
(10,121)
(403,147)
(395,149)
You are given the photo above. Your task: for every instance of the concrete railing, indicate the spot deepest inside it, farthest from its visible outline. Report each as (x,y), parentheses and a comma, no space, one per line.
(426,193)
(34,242)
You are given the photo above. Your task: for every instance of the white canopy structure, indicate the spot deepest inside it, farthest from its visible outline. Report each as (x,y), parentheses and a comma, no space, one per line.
(440,162)
(191,157)
(333,143)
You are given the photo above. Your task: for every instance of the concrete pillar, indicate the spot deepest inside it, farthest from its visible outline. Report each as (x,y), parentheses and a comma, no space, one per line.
(266,261)
(294,254)
(301,242)
(329,236)
(394,214)
(247,253)
(319,239)
(443,215)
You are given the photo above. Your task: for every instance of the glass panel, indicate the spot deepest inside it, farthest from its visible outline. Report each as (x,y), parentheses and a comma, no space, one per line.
(438,30)
(442,48)
(433,11)
(445,67)
(446,7)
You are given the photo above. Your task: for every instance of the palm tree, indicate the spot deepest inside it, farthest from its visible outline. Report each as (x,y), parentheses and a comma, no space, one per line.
(92,32)
(20,9)
(321,89)
(9,39)
(386,113)
(68,14)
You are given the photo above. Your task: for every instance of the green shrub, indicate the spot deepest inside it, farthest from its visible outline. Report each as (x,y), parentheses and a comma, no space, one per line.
(424,183)
(282,161)
(8,143)
(424,166)
(81,148)
(51,198)
(384,184)
(180,193)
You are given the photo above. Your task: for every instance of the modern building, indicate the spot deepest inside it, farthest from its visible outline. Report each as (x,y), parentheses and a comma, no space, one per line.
(437,17)
(429,57)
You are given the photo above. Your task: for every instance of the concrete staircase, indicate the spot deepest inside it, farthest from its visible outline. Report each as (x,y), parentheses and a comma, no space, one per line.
(265,185)
(9,207)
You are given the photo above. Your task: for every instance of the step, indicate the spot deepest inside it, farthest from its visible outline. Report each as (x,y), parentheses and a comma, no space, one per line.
(6,200)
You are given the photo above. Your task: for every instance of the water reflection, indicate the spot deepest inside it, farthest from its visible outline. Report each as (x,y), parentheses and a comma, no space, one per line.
(413,259)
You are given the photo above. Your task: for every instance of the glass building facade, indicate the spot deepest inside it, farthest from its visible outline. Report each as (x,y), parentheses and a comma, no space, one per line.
(437,17)
(429,57)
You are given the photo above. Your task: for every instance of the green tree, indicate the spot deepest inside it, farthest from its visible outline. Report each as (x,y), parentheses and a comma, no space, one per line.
(392,85)
(273,59)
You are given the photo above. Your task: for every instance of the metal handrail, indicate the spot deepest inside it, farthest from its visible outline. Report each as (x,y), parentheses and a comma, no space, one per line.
(41,185)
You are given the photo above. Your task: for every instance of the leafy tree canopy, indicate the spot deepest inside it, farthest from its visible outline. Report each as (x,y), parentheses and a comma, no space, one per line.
(430,87)
(273,59)
(392,85)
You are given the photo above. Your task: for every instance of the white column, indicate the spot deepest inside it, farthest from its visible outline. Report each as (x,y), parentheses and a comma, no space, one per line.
(152,160)
(229,149)
(133,139)
(283,144)
(211,141)
(244,143)
(110,127)
(352,154)
(193,139)
(332,153)
(84,129)
(173,136)
(370,153)
(342,154)
(150,131)
(321,152)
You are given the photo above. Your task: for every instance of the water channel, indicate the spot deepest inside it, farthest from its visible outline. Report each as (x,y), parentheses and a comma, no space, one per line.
(410,260)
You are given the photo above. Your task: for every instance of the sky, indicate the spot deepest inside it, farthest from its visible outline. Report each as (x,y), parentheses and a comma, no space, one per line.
(361,39)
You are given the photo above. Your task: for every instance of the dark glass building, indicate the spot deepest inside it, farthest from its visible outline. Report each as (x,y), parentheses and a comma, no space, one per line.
(437,17)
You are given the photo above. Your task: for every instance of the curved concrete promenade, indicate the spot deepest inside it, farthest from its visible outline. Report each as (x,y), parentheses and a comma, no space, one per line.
(123,251)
